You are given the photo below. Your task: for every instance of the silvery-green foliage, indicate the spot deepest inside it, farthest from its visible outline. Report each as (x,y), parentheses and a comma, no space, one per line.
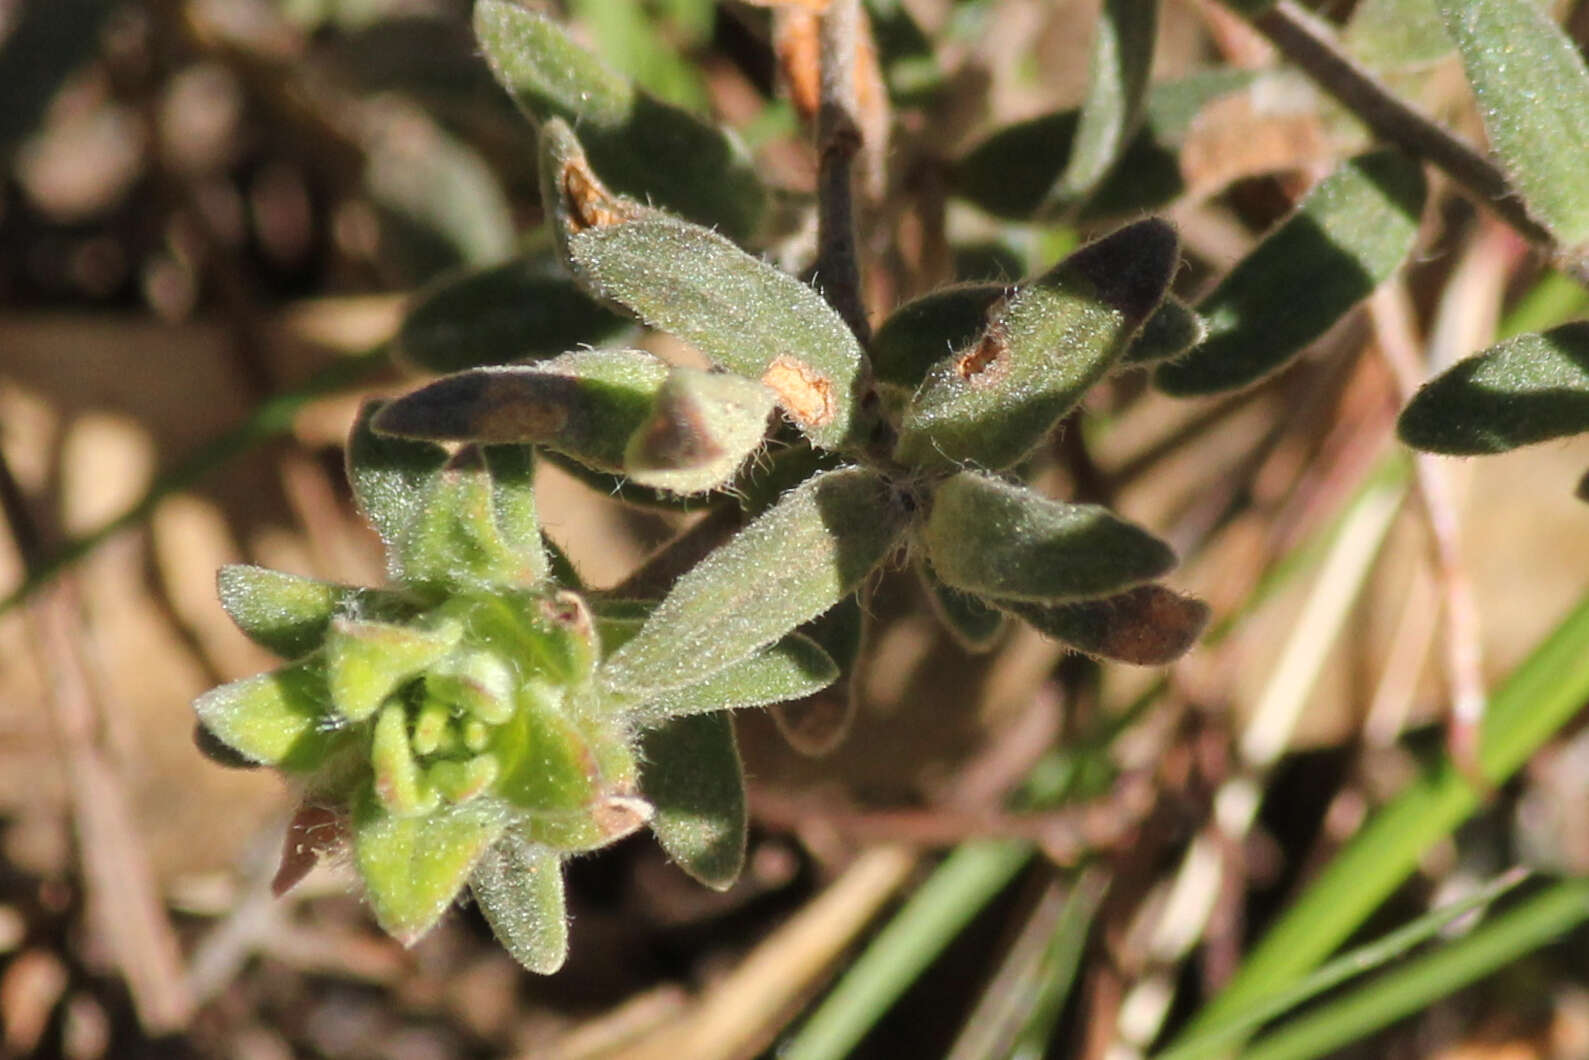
(481,718)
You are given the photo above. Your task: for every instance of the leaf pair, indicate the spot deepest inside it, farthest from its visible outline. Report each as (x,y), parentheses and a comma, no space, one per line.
(1074,571)
(619,411)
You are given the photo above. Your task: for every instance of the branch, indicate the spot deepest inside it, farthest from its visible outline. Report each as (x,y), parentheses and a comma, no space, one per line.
(1310,45)
(838,142)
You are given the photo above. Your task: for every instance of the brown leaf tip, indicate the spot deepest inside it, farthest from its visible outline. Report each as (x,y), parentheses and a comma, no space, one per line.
(315,831)
(805,393)
(1152,625)
(618,815)
(677,437)
(590,204)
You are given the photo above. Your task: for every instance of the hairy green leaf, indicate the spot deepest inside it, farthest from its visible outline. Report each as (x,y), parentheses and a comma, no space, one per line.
(646,148)
(413,867)
(1533,91)
(973,624)
(282,718)
(997,538)
(284,613)
(1146,626)
(585,403)
(1117,88)
(1174,328)
(475,525)
(367,661)
(923,331)
(795,561)
(702,427)
(570,780)
(742,313)
(692,775)
(1012,173)
(1528,389)
(528,308)
(390,477)
(816,724)
(992,402)
(1346,237)
(519,887)
(788,668)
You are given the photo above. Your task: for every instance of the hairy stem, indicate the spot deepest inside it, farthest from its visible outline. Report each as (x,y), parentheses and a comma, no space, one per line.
(838,142)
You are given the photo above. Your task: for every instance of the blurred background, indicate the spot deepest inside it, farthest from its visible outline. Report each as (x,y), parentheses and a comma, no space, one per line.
(212,215)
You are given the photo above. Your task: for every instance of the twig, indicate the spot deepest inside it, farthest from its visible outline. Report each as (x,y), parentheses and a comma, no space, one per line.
(1308,43)
(1392,311)
(838,142)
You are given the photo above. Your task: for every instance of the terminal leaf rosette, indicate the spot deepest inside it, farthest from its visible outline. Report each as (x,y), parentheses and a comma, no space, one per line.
(455,730)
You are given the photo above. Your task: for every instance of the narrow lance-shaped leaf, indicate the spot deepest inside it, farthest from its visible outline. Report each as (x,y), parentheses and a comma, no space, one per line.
(996,538)
(1146,626)
(1346,237)
(288,613)
(791,564)
(788,668)
(519,887)
(921,332)
(282,718)
(1528,389)
(1533,90)
(702,427)
(1122,57)
(647,148)
(413,867)
(586,404)
(471,530)
(390,477)
(817,723)
(693,776)
(1012,173)
(742,313)
(918,334)
(528,308)
(993,401)
(367,661)
(974,624)
(1174,328)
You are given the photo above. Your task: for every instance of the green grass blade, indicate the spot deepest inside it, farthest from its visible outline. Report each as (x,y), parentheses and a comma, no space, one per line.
(1539,920)
(1541,696)
(966,881)
(1360,961)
